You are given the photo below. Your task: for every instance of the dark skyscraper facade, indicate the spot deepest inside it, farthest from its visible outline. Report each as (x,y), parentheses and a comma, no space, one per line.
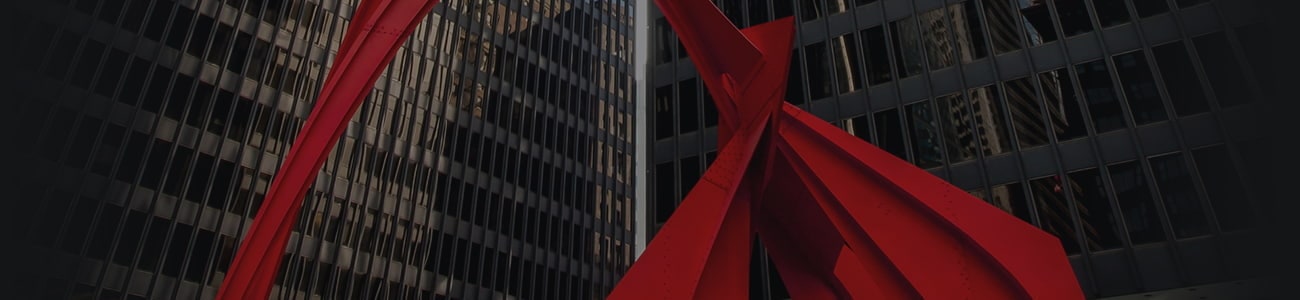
(493,159)
(1126,128)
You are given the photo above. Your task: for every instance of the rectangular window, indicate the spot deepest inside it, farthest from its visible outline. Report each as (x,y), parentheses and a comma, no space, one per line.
(812,9)
(1074,17)
(688,105)
(690,174)
(664,112)
(794,82)
(1184,86)
(664,40)
(819,71)
(1224,186)
(907,48)
(923,128)
(877,54)
(1004,21)
(969,31)
(844,56)
(1140,88)
(1179,194)
(758,11)
(781,9)
(710,107)
(1036,20)
(1011,199)
(836,6)
(935,37)
(1099,93)
(1111,12)
(860,127)
(889,133)
(1101,228)
(665,191)
(1054,211)
(1136,204)
(958,130)
(990,127)
(1026,112)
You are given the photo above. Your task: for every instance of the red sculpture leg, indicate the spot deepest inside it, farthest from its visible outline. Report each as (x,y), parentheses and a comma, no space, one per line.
(711,224)
(378,29)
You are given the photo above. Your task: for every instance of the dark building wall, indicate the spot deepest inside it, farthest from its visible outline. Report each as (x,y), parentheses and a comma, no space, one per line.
(1127,128)
(493,159)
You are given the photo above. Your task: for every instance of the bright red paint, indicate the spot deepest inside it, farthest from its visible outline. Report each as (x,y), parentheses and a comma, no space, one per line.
(841,218)
(365,52)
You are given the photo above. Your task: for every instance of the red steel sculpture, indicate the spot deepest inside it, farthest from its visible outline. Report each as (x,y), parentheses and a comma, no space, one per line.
(840,217)
(378,29)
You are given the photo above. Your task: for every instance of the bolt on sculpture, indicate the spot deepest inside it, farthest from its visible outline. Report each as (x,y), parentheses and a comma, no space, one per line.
(840,217)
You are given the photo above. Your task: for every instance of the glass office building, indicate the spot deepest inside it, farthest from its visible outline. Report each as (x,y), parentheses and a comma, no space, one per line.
(1124,127)
(493,159)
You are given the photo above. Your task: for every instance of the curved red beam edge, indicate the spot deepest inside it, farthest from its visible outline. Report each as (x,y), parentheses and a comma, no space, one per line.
(839,217)
(377,30)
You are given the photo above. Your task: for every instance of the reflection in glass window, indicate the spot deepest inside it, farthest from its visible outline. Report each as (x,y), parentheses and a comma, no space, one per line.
(844,56)
(1110,12)
(794,89)
(969,31)
(1074,17)
(924,131)
(665,191)
(1004,25)
(1136,204)
(836,6)
(889,133)
(1223,69)
(1011,199)
(875,49)
(664,112)
(935,37)
(688,105)
(1179,194)
(1102,230)
(1147,8)
(819,71)
(907,49)
(1223,184)
(1038,21)
(1026,112)
(958,130)
(1140,88)
(1054,211)
(860,127)
(812,9)
(990,127)
(1180,78)
(665,41)
(1099,93)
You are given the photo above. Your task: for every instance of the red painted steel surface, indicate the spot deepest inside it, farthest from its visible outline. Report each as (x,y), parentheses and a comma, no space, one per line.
(841,218)
(378,29)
